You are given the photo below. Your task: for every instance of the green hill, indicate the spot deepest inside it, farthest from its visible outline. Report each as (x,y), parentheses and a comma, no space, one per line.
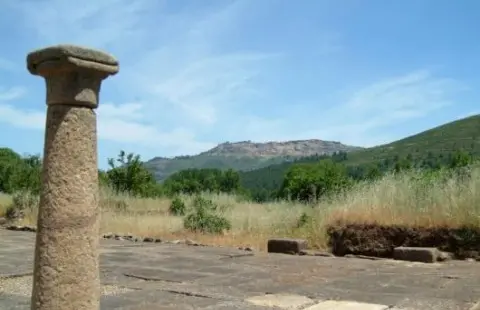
(442,140)
(461,134)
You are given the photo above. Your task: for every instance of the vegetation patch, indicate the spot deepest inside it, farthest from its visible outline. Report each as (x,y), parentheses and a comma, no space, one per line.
(203,218)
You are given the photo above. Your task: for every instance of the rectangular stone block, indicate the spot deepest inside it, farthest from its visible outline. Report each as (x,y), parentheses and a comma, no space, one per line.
(286,245)
(414,254)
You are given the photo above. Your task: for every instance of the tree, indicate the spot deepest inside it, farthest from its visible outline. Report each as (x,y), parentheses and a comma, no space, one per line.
(130,176)
(309,182)
(195,181)
(19,173)
(460,159)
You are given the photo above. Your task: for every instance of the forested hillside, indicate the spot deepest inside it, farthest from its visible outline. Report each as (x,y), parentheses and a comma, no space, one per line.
(429,149)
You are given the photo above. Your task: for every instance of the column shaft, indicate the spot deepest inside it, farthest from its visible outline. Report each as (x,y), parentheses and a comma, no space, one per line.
(66,253)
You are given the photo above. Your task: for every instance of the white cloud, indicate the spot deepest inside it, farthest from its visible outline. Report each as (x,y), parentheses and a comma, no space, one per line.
(171,59)
(96,23)
(178,78)
(29,119)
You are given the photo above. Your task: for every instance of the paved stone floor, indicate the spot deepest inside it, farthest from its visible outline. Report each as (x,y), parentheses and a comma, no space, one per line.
(152,276)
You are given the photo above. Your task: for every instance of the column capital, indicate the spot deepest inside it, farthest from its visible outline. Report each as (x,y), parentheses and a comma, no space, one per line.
(73,73)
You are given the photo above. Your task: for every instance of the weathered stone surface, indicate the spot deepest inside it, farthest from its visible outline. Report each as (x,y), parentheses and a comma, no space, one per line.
(66,274)
(286,245)
(346,305)
(363,257)
(168,276)
(316,253)
(73,74)
(282,301)
(64,54)
(413,254)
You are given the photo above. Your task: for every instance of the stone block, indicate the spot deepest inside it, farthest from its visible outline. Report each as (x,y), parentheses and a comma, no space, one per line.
(286,246)
(414,254)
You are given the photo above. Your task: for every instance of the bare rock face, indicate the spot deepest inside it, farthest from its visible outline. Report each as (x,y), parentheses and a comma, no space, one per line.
(287,148)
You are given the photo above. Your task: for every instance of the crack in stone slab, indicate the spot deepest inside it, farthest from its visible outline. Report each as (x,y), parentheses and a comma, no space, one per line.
(150,278)
(226,256)
(190,294)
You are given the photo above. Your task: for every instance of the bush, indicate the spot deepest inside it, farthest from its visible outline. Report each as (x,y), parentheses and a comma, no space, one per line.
(203,218)
(177,207)
(21,202)
(303,220)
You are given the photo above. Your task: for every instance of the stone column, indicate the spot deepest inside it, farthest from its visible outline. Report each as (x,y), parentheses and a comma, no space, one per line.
(66,271)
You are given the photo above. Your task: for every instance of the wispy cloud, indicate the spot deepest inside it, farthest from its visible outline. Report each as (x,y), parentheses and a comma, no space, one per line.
(362,116)
(172,60)
(13,93)
(398,99)
(188,81)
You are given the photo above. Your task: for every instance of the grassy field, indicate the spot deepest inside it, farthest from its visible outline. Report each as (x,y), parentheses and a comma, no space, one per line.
(406,199)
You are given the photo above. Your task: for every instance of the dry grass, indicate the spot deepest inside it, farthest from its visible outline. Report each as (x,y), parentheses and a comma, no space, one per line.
(5,201)
(402,199)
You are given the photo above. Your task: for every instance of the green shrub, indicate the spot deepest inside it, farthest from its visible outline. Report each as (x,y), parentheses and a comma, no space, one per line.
(203,218)
(177,207)
(303,220)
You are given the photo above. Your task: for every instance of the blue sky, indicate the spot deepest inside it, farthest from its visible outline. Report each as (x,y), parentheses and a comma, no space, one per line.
(197,73)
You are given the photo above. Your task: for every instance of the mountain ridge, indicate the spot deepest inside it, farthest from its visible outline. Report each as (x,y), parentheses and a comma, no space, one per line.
(245,155)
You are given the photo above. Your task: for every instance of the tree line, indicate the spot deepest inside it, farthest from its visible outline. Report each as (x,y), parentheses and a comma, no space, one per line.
(306,179)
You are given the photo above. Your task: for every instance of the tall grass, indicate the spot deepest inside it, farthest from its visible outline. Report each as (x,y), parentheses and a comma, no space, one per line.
(410,198)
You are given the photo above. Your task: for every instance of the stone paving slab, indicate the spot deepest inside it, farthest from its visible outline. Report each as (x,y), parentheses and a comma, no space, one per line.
(165,276)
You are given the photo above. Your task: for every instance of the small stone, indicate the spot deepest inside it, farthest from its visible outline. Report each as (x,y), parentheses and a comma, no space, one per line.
(444,256)
(158,240)
(191,242)
(148,239)
(3,221)
(286,246)
(118,238)
(176,241)
(414,254)
(108,236)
